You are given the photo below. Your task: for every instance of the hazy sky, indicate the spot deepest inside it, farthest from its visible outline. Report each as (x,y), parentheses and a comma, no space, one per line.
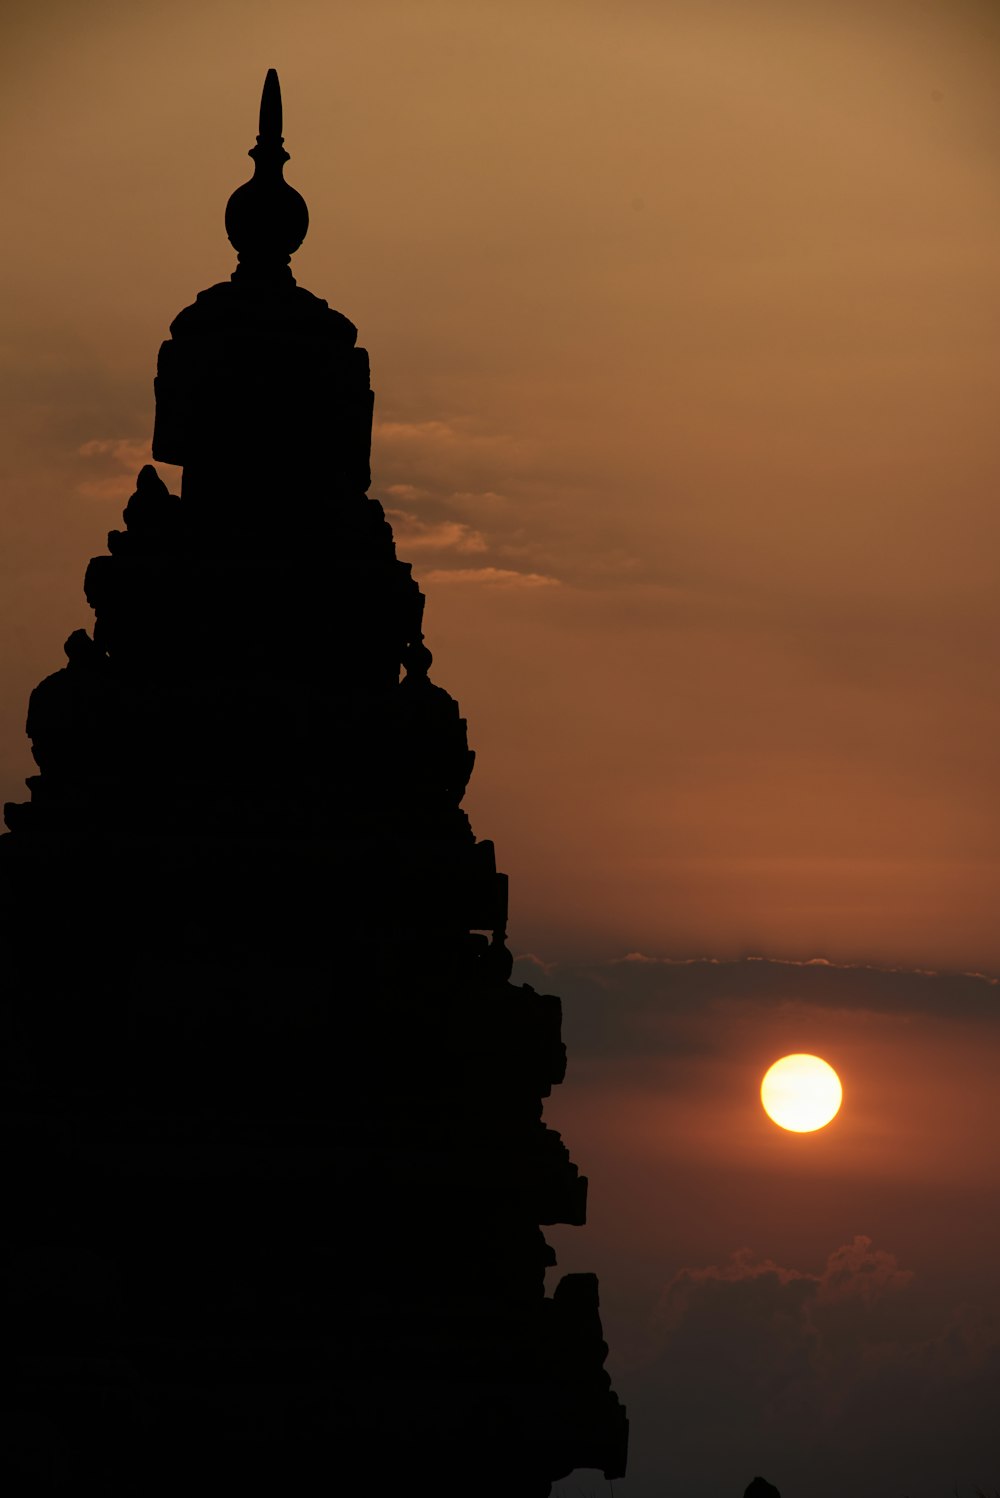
(683,320)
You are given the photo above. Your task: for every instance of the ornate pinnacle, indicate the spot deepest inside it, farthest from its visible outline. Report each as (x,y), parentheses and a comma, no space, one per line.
(269,151)
(266,219)
(270,107)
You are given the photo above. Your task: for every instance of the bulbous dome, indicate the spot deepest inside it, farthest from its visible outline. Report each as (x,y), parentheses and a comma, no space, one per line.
(266,219)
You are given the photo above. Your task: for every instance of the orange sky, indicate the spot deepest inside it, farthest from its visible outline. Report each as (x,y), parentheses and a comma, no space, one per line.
(683,324)
(683,328)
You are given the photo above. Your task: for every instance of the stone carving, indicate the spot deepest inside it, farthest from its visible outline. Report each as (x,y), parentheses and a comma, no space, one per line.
(280,1162)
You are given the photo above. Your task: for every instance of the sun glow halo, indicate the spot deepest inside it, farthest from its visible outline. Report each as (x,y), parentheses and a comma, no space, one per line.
(801,1093)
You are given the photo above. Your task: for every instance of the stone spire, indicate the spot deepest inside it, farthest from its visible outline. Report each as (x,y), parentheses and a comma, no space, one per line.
(266,219)
(281,1166)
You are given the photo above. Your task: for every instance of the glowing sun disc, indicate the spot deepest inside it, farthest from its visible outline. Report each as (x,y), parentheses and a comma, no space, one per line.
(801,1093)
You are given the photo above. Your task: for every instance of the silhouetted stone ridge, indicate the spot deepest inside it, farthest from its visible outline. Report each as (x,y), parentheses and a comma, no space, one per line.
(280,1165)
(761,1488)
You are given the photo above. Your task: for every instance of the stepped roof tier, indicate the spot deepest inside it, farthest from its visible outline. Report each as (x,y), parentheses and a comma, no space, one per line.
(281,1169)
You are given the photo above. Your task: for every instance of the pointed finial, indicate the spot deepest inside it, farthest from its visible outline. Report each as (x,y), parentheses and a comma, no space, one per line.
(266,219)
(270,105)
(270,142)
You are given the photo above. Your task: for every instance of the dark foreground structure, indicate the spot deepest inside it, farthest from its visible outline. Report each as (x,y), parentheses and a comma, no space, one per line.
(279,1169)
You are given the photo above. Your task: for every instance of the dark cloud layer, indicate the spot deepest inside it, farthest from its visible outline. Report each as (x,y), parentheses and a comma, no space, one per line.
(625,1007)
(853,1379)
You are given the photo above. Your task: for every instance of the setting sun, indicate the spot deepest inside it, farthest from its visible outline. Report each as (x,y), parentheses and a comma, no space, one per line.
(801,1093)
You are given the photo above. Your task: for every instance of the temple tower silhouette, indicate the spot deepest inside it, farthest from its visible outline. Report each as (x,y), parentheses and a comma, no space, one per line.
(280,1172)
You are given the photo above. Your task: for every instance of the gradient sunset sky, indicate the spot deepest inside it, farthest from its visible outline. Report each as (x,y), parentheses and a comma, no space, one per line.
(684,320)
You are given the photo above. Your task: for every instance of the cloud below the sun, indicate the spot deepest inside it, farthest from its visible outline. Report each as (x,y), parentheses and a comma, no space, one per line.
(772,1366)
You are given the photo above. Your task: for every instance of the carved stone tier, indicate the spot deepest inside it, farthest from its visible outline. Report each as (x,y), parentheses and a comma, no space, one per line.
(261,385)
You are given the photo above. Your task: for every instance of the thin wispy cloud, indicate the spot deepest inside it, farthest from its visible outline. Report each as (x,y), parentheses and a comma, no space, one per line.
(116,461)
(413,534)
(493,577)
